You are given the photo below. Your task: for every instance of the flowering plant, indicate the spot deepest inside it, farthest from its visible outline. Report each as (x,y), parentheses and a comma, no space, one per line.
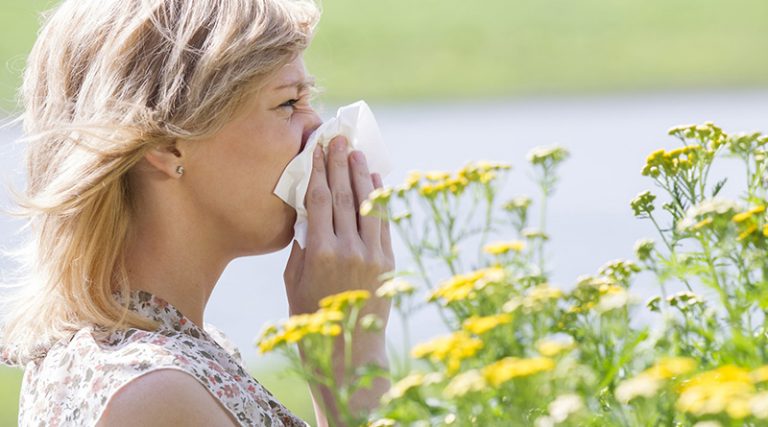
(522,351)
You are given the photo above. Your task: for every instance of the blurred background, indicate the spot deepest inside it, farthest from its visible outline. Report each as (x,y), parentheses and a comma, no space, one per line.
(452,81)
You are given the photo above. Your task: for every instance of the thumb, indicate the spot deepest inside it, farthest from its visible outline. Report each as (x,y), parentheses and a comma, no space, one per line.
(294,266)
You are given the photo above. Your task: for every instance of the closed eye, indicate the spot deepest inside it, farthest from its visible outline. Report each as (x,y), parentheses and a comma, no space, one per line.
(291,103)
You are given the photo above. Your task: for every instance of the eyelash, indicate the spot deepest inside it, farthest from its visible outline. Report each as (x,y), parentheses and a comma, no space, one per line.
(291,103)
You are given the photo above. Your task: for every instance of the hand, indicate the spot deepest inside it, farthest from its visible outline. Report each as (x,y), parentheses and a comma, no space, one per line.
(344,251)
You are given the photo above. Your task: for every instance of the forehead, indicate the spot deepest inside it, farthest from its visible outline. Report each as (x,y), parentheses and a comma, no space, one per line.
(291,74)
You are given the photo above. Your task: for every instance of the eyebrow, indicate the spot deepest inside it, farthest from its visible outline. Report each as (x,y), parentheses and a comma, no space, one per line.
(299,84)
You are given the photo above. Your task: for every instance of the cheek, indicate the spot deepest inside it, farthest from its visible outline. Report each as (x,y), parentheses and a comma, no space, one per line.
(272,155)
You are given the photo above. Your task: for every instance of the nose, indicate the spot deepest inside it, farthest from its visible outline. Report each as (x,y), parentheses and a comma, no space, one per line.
(313,122)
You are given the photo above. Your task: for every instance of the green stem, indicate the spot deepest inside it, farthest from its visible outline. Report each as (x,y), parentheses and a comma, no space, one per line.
(669,247)
(406,340)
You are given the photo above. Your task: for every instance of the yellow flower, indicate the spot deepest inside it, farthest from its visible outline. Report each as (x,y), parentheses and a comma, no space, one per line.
(759,405)
(540,295)
(323,322)
(383,422)
(412,179)
(511,367)
(544,292)
(613,297)
(674,161)
(482,171)
(749,230)
(414,380)
(485,165)
(760,374)
(581,308)
(464,383)
(553,347)
(456,185)
(480,325)
(642,204)
(487,177)
(463,286)
(401,387)
(366,208)
(743,216)
(701,224)
(609,289)
(531,234)
(457,288)
(451,349)
(392,288)
(380,194)
(619,269)
(684,299)
(671,367)
(564,406)
(341,300)
(547,155)
(535,299)
(706,213)
(639,386)
(269,339)
(725,389)
(437,175)
(519,203)
(500,248)
(431,190)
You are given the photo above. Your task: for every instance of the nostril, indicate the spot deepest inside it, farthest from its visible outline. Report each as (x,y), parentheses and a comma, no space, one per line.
(306,134)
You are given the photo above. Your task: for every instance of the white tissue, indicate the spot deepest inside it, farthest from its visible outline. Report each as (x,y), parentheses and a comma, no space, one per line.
(357,124)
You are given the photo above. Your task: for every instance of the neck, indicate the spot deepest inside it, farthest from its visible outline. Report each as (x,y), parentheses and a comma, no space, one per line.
(166,260)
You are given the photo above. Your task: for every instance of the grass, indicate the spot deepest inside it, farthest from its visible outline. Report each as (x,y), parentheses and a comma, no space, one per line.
(451,48)
(10,384)
(291,392)
(400,50)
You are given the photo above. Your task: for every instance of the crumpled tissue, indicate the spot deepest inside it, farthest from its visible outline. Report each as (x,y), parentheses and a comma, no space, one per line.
(355,122)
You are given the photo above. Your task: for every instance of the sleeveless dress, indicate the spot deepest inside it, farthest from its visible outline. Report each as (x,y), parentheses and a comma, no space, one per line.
(72,384)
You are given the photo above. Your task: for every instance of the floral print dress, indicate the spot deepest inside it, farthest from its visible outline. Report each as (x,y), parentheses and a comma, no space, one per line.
(72,384)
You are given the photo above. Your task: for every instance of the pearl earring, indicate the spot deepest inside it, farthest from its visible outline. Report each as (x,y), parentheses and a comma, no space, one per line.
(180,170)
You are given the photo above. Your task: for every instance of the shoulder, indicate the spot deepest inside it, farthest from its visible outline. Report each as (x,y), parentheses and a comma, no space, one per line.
(165,397)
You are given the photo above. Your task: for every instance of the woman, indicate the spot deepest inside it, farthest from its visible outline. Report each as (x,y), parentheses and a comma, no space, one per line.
(157,131)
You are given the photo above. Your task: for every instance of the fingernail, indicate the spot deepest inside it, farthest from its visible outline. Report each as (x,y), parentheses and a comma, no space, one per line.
(358,157)
(341,143)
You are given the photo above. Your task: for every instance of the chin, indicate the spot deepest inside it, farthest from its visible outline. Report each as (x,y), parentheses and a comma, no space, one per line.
(286,241)
(281,239)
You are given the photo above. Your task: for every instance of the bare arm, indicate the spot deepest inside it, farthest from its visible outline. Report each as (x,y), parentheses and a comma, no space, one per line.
(165,397)
(367,348)
(344,251)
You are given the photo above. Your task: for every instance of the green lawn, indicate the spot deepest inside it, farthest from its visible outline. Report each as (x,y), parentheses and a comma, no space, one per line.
(292,392)
(401,50)
(10,383)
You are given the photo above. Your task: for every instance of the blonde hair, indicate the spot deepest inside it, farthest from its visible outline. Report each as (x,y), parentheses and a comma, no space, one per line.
(106,81)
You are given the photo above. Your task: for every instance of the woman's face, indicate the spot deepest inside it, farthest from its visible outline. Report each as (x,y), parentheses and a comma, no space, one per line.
(233,173)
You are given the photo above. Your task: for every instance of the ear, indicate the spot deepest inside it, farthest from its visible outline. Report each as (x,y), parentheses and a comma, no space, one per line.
(165,159)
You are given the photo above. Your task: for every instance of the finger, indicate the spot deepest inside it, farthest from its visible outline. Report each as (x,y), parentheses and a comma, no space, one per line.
(294,266)
(318,200)
(370,226)
(386,235)
(343,200)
